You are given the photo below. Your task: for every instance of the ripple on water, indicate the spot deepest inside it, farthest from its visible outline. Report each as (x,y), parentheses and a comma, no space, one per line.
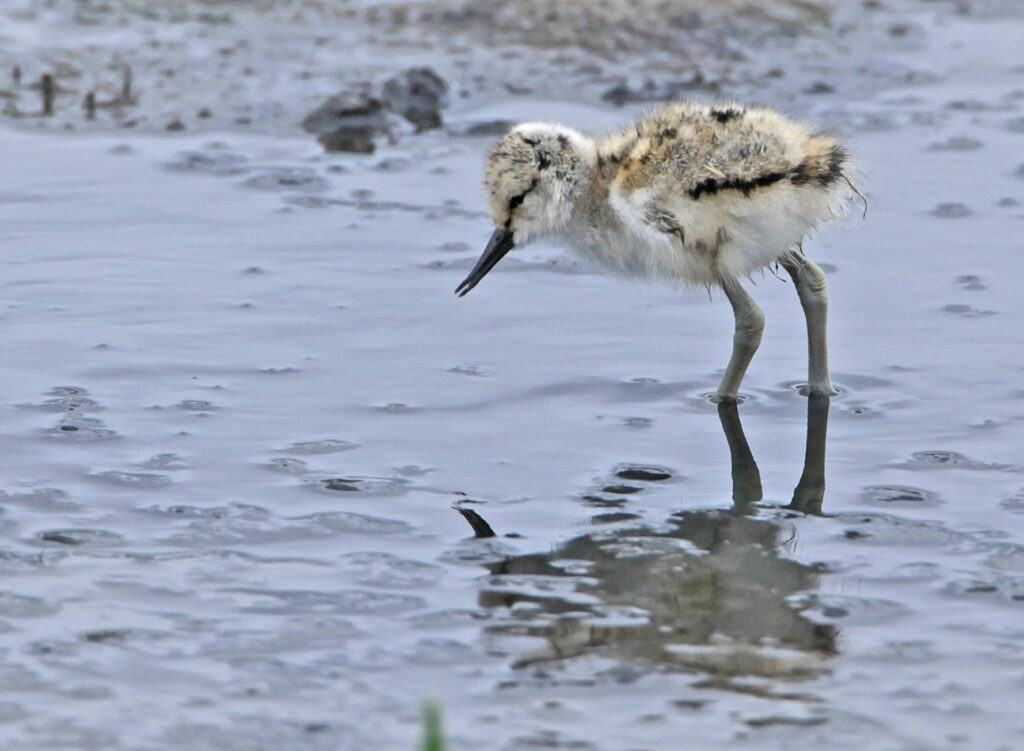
(376,486)
(232,526)
(899,494)
(950,459)
(950,211)
(75,428)
(219,163)
(21,606)
(389,571)
(956,143)
(343,521)
(288,466)
(324,446)
(341,602)
(302,179)
(846,610)
(196,405)
(642,473)
(440,652)
(967,311)
(884,529)
(133,479)
(298,634)
(84,538)
(42,501)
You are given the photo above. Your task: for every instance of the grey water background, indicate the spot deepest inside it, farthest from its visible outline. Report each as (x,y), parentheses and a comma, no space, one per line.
(239,399)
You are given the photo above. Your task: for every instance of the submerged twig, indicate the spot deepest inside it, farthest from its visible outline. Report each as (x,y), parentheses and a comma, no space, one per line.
(480,527)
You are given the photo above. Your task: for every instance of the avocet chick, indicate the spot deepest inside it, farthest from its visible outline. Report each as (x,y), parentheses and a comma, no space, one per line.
(695,193)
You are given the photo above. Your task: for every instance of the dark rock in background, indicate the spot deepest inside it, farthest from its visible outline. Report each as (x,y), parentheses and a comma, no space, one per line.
(418,95)
(350,120)
(660,92)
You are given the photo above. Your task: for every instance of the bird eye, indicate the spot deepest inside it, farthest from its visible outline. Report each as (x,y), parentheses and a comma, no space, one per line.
(530,141)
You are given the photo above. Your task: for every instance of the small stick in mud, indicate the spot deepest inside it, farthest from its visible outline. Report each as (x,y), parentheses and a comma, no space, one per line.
(89,105)
(16,75)
(126,86)
(480,526)
(48,91)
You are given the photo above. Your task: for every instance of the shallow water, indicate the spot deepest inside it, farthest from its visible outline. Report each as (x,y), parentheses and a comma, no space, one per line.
(240,402)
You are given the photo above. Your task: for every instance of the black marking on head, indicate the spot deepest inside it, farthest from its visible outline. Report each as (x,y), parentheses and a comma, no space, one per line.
(824,172)
(515,201)
(543,160)
(563,141)
(836,158)
(531,141)
(727,114)
(710,186)
(669,133)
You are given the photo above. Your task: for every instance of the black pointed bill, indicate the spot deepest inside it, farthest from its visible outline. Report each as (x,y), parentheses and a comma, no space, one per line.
(501,242)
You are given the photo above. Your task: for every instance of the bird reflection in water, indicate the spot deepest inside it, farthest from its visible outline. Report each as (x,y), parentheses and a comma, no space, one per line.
(708,591)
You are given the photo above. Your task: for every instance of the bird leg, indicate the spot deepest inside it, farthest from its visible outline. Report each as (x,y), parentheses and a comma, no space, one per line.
(810,286)
(749,325)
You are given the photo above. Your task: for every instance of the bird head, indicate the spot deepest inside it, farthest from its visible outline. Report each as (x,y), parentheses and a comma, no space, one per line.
(534,178)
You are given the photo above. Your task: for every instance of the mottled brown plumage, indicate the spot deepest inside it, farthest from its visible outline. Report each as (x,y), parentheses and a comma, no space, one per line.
(695,193)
